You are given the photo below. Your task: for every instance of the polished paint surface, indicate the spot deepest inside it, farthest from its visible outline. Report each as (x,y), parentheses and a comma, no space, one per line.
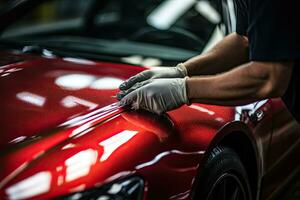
(61,128)
(63,131)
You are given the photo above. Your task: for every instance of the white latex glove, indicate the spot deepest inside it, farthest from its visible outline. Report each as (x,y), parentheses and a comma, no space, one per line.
(171,72)
(156,95)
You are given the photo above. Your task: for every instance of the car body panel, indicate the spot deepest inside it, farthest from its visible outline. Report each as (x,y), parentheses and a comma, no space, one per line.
(54,133)
(54,88)
(282,162)
(52,107)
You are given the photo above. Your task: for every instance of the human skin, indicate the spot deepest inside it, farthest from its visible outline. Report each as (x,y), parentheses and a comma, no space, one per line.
(225,76)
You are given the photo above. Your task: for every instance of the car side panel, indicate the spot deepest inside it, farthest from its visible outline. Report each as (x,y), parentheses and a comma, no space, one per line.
(164,150)
(283,158)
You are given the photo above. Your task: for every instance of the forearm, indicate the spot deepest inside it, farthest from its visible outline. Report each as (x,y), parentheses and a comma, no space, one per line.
(247,83)
(230,52)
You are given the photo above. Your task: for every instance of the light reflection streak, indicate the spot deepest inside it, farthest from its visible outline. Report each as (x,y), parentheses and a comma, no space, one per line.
(79,61)
(93,118)
(18,139)
(72,101)
(30,187)
(80,129)
(106,83)
(139,60)
(183,195)
(6,74)
(116,176)
(38,154)
(164,154)
(13,70)
(79,165)
(85,128)
(13,174)
(92,115)
(31,98)
(202,109)
(74,81)
(84,132)
(82,81)
(111,144)
(186,169)
(68,146)
(78,189)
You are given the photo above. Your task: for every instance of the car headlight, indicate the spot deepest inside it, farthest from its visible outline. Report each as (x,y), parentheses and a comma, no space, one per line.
(126,189)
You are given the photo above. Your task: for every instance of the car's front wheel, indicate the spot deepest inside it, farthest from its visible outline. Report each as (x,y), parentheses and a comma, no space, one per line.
(223,177)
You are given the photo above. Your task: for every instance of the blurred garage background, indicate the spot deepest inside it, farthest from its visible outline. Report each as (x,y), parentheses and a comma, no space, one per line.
(195,27)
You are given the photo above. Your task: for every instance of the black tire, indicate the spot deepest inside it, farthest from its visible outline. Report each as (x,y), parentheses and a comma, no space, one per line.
(223,177)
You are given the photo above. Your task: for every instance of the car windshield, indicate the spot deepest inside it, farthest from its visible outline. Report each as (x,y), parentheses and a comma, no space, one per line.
(163,31)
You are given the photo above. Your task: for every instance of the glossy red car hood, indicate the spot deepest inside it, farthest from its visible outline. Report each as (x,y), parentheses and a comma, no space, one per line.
(60,114)
(39,94)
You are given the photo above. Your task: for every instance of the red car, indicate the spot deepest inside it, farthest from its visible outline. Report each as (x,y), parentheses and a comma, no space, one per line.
(64,136)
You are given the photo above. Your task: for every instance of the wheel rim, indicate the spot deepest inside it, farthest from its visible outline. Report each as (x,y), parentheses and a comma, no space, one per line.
(228,187)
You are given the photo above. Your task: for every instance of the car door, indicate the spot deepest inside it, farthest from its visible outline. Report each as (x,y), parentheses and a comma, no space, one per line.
(283,156)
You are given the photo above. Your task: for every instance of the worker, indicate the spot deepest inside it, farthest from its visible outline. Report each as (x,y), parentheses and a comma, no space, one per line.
(258,61)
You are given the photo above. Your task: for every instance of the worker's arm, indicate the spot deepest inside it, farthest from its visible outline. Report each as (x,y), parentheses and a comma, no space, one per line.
(228,53)
(244,84)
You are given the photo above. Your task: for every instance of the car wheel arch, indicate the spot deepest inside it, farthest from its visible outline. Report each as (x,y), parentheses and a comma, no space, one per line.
(246,148)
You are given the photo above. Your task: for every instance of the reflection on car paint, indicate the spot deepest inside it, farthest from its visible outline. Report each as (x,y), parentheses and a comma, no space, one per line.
(183,195)
(8,71)
(31,98)
(18,139)
(111,144)
(202,109)
(72,101)
(79,164)
(81,81)
(90,146)
(98,113)
(32,186)
(74,81)
(79,61)
(83,162)
(106,83)
(164,154)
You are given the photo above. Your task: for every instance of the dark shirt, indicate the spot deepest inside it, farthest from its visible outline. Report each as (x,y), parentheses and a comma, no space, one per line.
(272,28)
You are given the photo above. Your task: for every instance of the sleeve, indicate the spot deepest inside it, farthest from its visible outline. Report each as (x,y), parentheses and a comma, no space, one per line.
(273,30)
(241,17)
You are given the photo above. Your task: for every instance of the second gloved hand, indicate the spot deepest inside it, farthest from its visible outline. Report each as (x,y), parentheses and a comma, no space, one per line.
(156,95)
(169,72)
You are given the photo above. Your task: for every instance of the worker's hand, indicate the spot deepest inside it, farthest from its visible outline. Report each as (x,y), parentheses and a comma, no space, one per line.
(172,72)
(156,95)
